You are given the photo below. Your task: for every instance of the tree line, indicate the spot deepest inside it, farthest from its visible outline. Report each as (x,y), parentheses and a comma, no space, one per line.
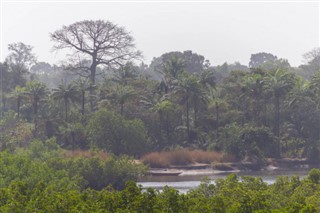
(100,98)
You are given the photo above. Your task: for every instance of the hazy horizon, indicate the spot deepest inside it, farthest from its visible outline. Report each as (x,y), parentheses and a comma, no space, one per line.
(221,32)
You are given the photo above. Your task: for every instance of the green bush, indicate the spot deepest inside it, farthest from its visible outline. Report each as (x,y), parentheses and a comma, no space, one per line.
(116,134)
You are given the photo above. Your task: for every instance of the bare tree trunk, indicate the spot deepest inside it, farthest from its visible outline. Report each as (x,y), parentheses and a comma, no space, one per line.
(93,68)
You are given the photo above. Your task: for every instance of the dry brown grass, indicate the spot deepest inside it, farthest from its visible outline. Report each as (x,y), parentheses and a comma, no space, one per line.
(156,160)
(182,157)
(200,156)
(85,154)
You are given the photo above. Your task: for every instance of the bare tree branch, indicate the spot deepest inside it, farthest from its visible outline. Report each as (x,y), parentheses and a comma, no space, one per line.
(103,42)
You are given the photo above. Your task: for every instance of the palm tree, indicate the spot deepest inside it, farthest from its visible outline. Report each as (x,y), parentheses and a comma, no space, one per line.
(36,92)
(18,93)
(125,74)
(252,88)
(160,105)
(216,101)
(171,70)
(278,83)
(68,94)
(122,95)
(188,88)
(315,83)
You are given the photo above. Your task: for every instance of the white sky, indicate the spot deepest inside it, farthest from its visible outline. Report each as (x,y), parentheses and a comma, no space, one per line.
(221,32)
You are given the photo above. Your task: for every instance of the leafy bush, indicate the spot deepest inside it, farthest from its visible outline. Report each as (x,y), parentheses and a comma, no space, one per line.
(114,133)
(248,141)
(46,162)
(232,194)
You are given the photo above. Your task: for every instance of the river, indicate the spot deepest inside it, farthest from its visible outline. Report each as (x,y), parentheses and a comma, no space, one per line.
(191,178)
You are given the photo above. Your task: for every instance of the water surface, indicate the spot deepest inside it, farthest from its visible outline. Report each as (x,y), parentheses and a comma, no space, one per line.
(192,178)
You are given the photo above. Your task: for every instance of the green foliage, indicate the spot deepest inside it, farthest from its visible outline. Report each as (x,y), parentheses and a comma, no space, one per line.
(248,141)
(44,162)
(116,134)
(232,194)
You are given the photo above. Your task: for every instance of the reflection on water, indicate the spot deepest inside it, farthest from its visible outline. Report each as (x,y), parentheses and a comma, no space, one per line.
(192,178)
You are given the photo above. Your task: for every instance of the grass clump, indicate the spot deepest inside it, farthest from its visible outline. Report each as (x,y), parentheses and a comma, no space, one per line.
(181,157)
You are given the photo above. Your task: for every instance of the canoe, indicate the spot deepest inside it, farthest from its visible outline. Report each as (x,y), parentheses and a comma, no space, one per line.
(164,172)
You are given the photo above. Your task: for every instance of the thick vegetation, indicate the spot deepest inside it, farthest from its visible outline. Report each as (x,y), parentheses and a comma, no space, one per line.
(233,194)
(46,163)
(102,101)
(180,100)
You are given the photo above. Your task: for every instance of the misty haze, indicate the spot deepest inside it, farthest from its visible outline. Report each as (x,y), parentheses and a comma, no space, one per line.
(159,106)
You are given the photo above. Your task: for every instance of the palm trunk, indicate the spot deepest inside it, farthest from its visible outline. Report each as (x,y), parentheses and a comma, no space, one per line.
(121,108)
(217,120)
(160,124)
(188,119)
(35,118)
(18,107)
(167,126)
(66,109)
(277,123)
(195,106)
(82,102)
(277,117)
(73,140)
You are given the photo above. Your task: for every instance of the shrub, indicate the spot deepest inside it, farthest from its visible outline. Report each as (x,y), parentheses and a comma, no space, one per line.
(116,134)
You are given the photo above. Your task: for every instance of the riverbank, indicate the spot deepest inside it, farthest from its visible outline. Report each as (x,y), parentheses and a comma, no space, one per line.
(219,168)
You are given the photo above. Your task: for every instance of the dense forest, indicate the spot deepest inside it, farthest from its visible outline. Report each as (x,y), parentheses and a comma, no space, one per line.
(104,100)
(267,109)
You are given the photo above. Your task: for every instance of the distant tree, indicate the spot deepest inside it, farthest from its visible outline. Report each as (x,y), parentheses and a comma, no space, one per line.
(66,93)
(258,59)
(100,42)
(279,83)
(160,105)
(193,62)
(125,74)
(171,69)
(217,103)
(312,59)
(20,60)
(18,93)
(36,91)
(276,64)
(190,93)
(41,67)
(121,95)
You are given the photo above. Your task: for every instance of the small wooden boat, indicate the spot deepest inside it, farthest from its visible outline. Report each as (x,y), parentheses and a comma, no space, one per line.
(165,172)
(191,166)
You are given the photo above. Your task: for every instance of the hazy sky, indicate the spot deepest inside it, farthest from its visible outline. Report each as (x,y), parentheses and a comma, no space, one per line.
(219,31)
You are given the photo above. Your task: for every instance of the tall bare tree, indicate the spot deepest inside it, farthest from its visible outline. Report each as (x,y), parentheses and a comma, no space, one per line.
(99,42)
